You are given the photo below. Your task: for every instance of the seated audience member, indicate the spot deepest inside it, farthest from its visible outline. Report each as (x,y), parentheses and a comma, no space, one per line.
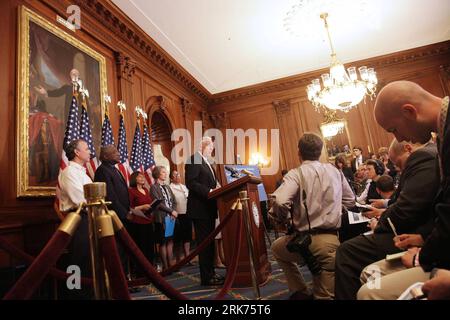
(411,113)
(410,213)
(140,228)
(341,163)
(386,189)
(183,230)
(372,156)
(360,180)
(160,191)
(313,195)
(389,167)
(375,169)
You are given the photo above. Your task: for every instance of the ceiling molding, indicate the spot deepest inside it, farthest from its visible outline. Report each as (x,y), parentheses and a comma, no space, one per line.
(303,79)
(136,38)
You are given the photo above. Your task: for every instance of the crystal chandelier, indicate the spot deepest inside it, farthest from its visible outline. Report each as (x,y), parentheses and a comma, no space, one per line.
(332,125)
(341,90)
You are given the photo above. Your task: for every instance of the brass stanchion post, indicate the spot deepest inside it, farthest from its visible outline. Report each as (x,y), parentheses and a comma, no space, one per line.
(248,233)
(95,195)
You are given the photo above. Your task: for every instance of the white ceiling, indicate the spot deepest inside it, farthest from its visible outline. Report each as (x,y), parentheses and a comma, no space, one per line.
(228,44)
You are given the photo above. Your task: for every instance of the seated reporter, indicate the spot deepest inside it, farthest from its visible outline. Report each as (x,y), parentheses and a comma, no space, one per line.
(313,195)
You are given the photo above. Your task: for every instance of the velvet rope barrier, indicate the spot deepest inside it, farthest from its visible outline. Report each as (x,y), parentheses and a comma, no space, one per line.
(116,275)
(25,257)
(201,246)
(38,270)
(231,272)
(159,282)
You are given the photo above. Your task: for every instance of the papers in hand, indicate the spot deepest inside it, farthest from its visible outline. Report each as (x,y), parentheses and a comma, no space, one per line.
(414,292)
(356,217)
(395,256)
(364,207)
(139,213)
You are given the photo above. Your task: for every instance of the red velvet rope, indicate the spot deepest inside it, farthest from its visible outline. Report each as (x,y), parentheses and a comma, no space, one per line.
(38,270)
(231,272)
(151,272)
(118,282)
(158,281)
(200,247)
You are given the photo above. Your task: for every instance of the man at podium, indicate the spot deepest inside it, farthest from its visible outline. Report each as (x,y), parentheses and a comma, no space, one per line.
(201,180)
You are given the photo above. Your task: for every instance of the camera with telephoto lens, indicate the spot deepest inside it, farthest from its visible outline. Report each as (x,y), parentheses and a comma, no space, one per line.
(300,243)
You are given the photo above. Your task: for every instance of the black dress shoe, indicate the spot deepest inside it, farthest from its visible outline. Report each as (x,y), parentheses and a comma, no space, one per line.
(212,282)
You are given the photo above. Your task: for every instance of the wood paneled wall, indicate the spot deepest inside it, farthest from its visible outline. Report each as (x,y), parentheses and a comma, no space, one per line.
(283,104)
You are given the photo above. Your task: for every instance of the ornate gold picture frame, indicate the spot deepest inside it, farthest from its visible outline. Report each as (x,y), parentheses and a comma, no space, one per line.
(47,56)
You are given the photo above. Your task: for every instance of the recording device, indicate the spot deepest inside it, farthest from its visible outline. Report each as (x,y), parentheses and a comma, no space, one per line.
(234,172)
(300,243)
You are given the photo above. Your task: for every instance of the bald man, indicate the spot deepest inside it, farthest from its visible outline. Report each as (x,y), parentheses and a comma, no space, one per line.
(116,186)
(411,213)
(412,113)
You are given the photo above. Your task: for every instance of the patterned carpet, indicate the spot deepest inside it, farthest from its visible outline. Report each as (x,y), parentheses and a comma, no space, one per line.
(187,280)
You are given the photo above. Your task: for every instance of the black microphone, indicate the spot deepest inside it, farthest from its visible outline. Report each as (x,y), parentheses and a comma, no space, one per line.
(234,172)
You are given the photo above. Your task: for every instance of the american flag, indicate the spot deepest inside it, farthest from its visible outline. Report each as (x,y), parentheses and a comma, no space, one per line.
(148,161)
(85,133)
(122,146)
(107,136)
(136,150)
(72,133)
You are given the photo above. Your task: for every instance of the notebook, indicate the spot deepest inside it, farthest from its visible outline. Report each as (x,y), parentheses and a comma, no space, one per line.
(170,226)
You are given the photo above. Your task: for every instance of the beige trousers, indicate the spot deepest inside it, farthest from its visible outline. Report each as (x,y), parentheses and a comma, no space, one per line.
(323,247)
(384,280)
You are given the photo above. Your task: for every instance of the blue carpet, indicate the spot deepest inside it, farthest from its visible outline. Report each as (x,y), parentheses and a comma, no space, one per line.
(187,280)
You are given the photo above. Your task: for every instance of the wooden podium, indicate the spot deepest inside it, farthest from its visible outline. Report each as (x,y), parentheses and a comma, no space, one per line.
(226,196)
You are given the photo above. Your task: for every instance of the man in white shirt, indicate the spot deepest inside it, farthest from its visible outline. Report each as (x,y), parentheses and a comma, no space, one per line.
(71,181)
(73,177)
(314,194)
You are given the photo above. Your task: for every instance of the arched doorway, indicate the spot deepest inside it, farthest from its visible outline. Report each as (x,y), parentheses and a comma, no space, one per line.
(160,134)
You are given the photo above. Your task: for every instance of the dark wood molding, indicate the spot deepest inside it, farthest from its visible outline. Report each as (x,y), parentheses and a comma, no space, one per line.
(220,120)
(303,79)
(186,107)
(110,17)
(126,67)
(282,107)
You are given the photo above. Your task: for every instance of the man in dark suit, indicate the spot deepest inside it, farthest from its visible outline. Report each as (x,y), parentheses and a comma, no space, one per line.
(358,160)
(116,192)
(201,180)
(412,212)
(411,113)
(116,187)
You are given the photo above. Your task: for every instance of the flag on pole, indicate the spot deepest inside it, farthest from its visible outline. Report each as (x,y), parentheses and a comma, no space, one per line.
(72,133)
(122,146)
(136,150)
(85,133)
(148,161)
(107,136)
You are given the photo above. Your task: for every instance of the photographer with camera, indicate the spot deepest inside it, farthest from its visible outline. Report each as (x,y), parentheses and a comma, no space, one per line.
(311,197)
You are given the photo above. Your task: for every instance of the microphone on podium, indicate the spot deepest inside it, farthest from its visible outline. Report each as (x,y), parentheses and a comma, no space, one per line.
(234,172)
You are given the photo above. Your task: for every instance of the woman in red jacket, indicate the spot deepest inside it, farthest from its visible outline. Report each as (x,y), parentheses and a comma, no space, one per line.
(141,229)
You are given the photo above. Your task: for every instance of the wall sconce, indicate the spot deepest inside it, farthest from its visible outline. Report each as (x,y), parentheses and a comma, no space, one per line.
(257,159)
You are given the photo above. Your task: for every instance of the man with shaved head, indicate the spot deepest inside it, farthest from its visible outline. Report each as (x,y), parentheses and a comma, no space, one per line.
(411,113)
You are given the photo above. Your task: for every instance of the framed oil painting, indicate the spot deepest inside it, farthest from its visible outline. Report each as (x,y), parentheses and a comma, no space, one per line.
(48,60)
